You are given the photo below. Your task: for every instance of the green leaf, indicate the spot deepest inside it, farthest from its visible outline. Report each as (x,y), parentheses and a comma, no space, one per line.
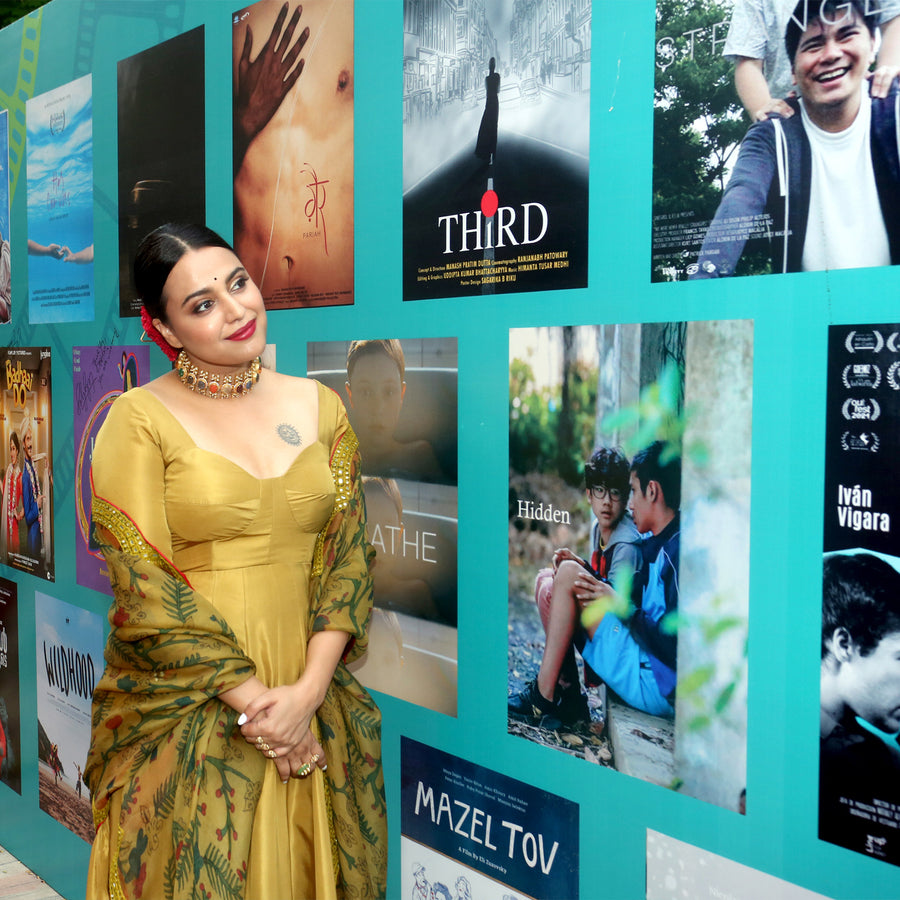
(716,627)
(695,680)
(724,697)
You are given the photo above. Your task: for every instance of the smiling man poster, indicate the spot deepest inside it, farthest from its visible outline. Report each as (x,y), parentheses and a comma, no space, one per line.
(817,168)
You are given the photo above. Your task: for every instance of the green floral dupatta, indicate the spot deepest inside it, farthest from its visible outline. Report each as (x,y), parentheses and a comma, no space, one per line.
(167,767)
(349,721)
(174,784)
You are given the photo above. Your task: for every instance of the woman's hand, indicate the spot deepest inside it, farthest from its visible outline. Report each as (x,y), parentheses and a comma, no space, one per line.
(281,717)
(299,761)
(303,759)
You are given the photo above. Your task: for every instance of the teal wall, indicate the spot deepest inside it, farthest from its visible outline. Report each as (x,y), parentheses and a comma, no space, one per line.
(791,315)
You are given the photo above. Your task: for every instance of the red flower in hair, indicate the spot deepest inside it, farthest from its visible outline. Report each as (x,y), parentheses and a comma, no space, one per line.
(152,332)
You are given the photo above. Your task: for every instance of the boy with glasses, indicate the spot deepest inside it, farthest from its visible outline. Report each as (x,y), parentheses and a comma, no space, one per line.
(554,698)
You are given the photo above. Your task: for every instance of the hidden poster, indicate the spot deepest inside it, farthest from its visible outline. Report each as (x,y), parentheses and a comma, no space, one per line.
(629,536)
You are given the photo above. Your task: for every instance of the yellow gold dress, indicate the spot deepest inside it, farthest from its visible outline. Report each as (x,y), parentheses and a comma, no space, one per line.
(216,572)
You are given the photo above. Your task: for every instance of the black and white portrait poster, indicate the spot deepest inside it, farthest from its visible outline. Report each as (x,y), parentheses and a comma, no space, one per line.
(469,832)
(496,125)
(859,775)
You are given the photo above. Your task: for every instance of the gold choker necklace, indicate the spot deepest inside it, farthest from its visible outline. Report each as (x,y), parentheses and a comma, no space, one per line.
(226,387)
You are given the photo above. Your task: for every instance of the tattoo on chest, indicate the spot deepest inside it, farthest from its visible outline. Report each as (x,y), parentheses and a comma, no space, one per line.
(289,434)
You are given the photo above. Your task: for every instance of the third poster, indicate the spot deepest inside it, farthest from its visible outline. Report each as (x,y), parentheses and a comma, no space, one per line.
(496,128)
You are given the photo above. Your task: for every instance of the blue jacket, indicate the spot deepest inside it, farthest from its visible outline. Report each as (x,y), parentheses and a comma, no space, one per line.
(772,175)
(654,595)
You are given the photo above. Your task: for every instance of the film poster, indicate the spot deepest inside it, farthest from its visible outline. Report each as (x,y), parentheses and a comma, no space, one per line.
(859,772)
(467,831)
(677,870)
(26,532)
(293,150)
(593,410)
(702,139)
(99,376)
(60,156)
(10,718)
(401,399)
(5,262)
(161,142)
(496,130)
(69,653)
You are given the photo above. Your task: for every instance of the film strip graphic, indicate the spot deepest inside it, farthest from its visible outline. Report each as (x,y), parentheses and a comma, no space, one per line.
(24,90)
(168,16)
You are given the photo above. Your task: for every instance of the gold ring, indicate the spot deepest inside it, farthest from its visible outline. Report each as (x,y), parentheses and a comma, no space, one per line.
(314,759)
(264,747)
(271,754)
(304,770)
(259,740)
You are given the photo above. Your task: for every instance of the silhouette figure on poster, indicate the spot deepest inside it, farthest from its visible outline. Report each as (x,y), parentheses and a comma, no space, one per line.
(486,145)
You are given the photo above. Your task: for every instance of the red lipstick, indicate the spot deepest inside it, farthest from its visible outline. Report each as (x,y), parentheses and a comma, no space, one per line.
(246,332)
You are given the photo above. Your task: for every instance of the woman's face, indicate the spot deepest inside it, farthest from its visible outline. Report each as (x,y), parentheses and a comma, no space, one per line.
(13,453)
(376,395)
(214,310)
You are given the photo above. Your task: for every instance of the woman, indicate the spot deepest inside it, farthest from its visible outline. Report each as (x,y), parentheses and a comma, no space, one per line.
(12,499)
(486,144)
(376,386)
(228,507)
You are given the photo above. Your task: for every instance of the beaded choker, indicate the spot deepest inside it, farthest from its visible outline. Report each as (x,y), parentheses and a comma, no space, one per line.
(225,387)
